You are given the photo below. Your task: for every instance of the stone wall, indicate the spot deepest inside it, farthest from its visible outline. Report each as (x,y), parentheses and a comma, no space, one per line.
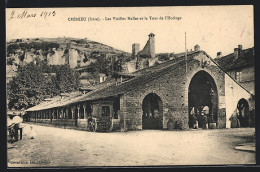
(172,88)
(233,94)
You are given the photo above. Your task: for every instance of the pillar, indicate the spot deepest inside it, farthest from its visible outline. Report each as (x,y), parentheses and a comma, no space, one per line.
(78,115)
(74,115)
(84,111)
(72,111)
(67,113)
(51,117)
(57,113)
(49,114)
(62,115)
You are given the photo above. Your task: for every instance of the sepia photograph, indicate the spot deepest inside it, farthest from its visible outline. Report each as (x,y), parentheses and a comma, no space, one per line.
(130,86)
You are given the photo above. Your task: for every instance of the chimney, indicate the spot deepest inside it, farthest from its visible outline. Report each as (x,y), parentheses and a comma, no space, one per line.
(239,50)
(152,45)
(235,53)
(135,48)
(197,48)
(219,54)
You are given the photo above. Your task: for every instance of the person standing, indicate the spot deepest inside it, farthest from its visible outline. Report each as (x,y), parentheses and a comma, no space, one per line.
(193,119)
(205,113)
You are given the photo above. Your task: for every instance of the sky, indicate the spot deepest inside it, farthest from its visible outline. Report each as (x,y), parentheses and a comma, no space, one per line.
(214,28)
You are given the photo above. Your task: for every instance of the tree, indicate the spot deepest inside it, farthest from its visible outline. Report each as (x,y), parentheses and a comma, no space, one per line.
(145,56)
(10,61)
(35,82)
(66,79)
(163,57)
(11,49)
(27,88)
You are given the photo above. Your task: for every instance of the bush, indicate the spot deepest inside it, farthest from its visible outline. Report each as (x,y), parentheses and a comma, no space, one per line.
(10,61)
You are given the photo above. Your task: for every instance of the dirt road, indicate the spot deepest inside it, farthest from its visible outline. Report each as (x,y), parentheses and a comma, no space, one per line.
(66,147)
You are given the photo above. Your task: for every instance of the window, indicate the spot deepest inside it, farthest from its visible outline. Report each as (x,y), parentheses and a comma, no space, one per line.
(105,111)
(238,75)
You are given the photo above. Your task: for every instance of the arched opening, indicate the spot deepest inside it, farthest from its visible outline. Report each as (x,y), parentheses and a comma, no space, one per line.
(152,112)
(243,112)
(202,100)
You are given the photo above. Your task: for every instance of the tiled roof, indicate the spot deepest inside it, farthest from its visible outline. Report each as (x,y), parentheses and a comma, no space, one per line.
(178,57)
(68,99)
(245,59)
(137,81)
(112,89)
(55,102)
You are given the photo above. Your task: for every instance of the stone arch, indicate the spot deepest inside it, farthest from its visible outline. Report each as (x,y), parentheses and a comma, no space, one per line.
(202,95)
(152,108)
(243,112)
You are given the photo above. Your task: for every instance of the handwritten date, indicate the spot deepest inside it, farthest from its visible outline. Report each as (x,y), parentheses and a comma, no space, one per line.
(25,14)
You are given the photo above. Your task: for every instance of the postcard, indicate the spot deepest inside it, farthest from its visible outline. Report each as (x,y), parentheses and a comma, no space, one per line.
(130,86)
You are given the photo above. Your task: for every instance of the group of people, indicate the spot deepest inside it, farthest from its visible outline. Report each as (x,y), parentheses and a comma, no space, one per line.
(200,119)
(152,114)
(14,124)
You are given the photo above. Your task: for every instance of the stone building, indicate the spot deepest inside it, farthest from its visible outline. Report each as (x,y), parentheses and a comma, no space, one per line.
(158,97)
(143,58)
(240,66)
(149,48)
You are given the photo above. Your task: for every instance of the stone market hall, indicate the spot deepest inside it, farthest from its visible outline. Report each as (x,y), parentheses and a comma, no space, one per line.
(161,97)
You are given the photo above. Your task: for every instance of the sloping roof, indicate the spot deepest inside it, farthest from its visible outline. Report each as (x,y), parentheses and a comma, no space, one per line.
(178,57)
(228,62)
(55,102)
(141,79)
(66,100)
(15,112)
(112,89)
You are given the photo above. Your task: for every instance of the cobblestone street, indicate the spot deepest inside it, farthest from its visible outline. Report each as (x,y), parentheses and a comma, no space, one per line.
(65,147)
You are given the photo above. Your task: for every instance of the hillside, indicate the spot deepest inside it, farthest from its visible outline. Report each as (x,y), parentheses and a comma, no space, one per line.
(58,51)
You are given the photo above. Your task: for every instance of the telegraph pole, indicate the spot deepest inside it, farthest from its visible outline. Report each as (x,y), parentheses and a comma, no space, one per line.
(186,60)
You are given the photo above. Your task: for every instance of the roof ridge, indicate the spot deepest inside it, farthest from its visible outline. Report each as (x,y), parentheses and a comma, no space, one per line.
(166,63)
(233,52)
(146,76)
